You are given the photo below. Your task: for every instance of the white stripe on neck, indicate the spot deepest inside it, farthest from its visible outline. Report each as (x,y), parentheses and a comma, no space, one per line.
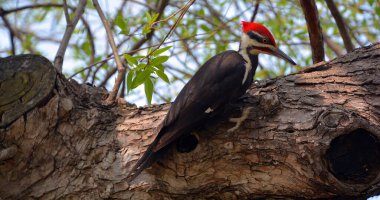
(248,64)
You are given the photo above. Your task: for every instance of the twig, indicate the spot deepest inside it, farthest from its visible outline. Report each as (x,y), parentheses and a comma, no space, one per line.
(132,52)
(184,10)
(171,16)
(14,32)
(216,14)
(11,32)
(66,11)
(256,10)
(58,60)
(353,34)
(332,45)
(188,50)
(120,68)
(310,11)
(5,12)
(341,25)
(92,45)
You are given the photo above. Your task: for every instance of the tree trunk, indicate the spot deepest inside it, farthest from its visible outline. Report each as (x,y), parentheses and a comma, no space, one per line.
(314,134)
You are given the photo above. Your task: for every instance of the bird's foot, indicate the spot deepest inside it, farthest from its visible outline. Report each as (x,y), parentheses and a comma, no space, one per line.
(239,120)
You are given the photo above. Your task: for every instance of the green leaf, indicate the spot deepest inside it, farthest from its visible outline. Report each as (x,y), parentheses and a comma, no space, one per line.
(159,60)
(160,51)
(130,59)
(86,47)
(154,17)
(148,16)
(148,85)
(146,29)
(205,28)
(40,17)
(129,80)
(119,21)
(377,10)
(202,12)
(140,78)
(162,75)
(159,67)
(138,57)
(141,66)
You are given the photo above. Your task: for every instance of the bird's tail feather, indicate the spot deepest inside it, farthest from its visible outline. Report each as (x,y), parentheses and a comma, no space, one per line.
(145,161)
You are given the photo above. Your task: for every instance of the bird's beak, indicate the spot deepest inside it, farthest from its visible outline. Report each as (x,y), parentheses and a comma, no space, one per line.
(277,52)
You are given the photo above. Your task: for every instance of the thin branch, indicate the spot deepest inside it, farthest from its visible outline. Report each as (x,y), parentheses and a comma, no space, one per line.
(66,11)
(171,16)
(310,11)
(341,25)
(92,45)
(353,34)
(5,12)
(256,10)
(184,10)
(162,6)
(11,32)
(58,60)
(188,50)
(120,68)
(332,45)
(216,14)
(110,57)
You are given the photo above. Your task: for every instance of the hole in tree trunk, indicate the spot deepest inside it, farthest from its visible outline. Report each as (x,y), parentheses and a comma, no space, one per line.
(354,157)
(187,143)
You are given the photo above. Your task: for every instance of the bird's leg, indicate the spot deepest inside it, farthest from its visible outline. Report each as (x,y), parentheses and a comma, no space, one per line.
(239,120)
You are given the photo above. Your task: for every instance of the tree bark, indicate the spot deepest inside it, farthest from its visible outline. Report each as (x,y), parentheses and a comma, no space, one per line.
(314,134)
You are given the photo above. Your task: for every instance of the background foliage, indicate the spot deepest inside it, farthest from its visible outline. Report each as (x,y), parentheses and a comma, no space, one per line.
(208,27)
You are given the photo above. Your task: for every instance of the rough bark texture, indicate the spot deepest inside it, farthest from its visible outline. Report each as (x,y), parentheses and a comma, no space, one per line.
(309,135)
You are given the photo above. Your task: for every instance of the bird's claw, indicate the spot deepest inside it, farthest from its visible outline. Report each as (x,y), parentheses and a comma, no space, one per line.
(239,120)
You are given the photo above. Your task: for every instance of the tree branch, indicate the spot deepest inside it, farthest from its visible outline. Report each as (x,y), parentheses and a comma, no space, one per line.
(255,11)
(332,45)
(120,68)
(58,60)
(341,25)
(66,11)
(11,32)
(310,11)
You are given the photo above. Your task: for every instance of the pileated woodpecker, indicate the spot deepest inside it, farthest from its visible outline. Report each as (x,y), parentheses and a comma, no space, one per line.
(221,80)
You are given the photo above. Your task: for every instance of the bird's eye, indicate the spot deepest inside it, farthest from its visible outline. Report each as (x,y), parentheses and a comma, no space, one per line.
(265,40)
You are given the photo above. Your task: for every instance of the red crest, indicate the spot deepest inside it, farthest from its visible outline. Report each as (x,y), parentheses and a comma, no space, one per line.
(259,28)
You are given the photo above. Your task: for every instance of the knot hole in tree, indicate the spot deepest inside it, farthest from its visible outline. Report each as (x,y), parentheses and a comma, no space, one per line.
(354,158)
(187,143)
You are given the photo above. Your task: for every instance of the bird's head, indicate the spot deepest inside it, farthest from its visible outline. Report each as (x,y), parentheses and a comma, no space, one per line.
(258,39)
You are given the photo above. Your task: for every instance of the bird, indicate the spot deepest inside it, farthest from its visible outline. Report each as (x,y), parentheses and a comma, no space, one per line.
(223,79)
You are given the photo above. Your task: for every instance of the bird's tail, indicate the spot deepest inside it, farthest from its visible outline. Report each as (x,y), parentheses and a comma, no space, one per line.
(145,161)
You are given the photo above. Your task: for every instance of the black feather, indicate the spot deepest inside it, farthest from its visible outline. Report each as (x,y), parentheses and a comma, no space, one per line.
(148,158)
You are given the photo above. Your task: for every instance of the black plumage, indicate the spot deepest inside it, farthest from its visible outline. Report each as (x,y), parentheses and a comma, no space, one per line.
(218,82)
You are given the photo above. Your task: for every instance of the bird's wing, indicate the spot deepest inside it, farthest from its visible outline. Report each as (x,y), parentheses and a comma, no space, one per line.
(216,83)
